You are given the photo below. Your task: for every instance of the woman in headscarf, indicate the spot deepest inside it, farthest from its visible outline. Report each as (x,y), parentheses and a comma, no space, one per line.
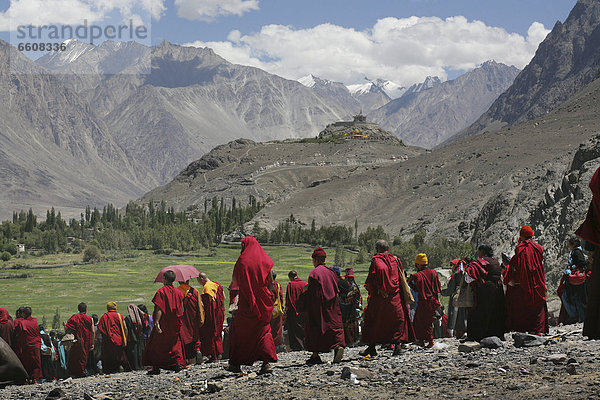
(250,335)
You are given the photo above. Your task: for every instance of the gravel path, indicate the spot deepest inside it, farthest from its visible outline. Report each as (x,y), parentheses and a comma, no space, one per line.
(567,367)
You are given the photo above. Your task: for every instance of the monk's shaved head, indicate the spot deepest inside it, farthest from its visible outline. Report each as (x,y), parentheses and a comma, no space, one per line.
(202,275)
(381,246)
(169,276)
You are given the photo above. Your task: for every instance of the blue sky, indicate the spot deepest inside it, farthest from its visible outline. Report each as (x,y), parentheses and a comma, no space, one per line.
(341,40)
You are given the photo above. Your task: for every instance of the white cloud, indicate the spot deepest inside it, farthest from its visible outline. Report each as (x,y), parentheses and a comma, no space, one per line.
(208,10)
(403,50)
(73,12)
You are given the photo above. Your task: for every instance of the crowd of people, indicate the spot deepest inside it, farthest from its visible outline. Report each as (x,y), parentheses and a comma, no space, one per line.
(488,298)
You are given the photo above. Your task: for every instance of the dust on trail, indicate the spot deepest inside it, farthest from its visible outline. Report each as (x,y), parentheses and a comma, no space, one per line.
(567,367)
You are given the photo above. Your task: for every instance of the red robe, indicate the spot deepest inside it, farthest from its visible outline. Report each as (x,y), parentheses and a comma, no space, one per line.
(250,335)
(386,318)
(27,344)
(324,329)
(193,318)
(211,333)
(427,283)
(277,323)
(590,231)
(294,321)
(165,350)
(6,326)
(114,340)
(83,326)
(525,281)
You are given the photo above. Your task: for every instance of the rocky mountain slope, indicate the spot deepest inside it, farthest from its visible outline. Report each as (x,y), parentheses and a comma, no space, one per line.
(191,101)
(566,61)
(480,189)
(53,149)
(433,111)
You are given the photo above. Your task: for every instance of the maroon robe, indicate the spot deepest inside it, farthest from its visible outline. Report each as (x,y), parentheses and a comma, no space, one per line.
(324,329)
(590,231)
(6,326)
(83,327)
(277,323)
(211,333)
(294,319)
(27,345)
(114,340)
(525,281)
(427,283)
(250,335)
(165,350)
(386,318)
(191,321)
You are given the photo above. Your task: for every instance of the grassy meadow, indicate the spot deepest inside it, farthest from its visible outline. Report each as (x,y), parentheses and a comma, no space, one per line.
(129,278)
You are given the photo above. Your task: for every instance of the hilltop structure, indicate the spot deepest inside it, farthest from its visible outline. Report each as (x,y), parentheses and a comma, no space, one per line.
(358,129)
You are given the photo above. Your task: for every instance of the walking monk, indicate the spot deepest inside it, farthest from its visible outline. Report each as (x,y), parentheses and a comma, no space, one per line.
(27,343)
(211,332)
(114,340)
(6,326)
(82,326)
(164,348)
(250,335)
(193,319)
(427,284)
(386,318)
(324,329)
(525,281)
(294,319)
(590,232)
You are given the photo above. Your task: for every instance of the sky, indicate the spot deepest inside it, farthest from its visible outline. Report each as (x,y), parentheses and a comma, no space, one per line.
(342,40)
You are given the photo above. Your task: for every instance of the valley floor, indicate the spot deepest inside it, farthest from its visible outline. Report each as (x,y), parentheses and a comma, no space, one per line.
(507,373)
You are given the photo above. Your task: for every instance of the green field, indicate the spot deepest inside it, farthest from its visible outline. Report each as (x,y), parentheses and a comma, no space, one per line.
(129,279)
(126,280)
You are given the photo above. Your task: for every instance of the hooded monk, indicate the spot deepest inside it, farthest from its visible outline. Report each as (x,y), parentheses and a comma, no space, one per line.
(525,281)
(427,284)
(211,333)
(165,348)
(114,339)
(386,318)
(250,335)
(590,232)
(324,329)
(82,326)
(27,343)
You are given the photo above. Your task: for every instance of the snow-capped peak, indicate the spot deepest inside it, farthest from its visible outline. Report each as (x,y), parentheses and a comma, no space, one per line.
(392,89)
(308,80)
(361,88)
(428,83)
(57,59)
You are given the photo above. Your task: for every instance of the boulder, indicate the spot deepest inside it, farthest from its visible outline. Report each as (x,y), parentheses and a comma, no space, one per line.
(468,347)
(527,340)
(492,342)
(11,369)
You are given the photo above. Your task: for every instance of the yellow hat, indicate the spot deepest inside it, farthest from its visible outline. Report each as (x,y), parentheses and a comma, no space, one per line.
(421,259)
(111,305)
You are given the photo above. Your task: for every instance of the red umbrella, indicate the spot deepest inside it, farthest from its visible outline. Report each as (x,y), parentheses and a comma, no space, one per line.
(182,272)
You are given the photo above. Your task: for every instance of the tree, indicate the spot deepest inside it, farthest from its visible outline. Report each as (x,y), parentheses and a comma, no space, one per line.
(340,256)
(5,256)
(91,254)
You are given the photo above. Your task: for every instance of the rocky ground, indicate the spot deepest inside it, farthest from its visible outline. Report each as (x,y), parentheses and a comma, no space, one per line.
(566,366)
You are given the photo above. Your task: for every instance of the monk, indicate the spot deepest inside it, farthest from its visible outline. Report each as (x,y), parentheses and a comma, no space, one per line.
(386,318)
(294,319)
(250,335)
(165,348)
(350,302)
(277,318)
(82,326)
(590,232)
(324,329)
(6,326)
(427,284)
(114,340)
(525,281)
(487,318)
(211,332)
(27,343)
(193,319)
